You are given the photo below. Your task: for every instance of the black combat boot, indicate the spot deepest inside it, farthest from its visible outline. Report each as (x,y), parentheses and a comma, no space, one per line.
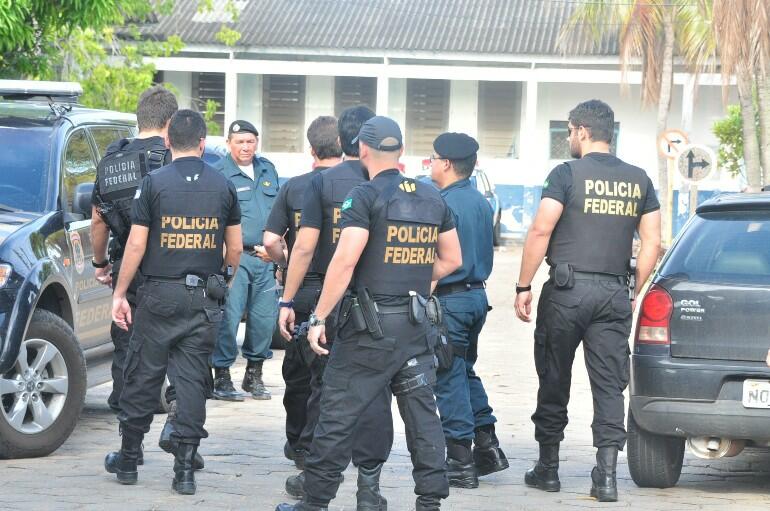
(252,381)
(123,462)
(300,506)
(459,463)
(184,474)
(295,455)
(487,455)
(223,386)
(545,474)
(368,497)
(295,485)
(428,503)
(603,483)
(169,443)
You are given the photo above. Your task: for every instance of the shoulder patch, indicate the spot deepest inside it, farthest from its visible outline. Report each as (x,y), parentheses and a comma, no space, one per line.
(347,204)
(545,185)
(266,183)
(408,186)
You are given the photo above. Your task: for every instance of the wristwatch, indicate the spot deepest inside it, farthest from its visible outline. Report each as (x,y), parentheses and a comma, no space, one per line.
(523,289)
(103,264)
(315,321)
(288,305)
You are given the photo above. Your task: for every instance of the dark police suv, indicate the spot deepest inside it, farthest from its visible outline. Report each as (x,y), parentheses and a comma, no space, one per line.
(54,316)
(699,369)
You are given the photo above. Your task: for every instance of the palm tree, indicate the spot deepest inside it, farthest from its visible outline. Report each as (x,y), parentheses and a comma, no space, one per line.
(742,32)
(649,33)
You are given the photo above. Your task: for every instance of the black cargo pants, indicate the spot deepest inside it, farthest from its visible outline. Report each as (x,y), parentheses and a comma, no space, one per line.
(295,370)
(120,337)
(596,311)
(174,326)
(358,371)
(373,433)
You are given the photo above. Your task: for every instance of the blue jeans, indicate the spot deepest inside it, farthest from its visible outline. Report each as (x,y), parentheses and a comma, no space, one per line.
(254,291)
(460,395)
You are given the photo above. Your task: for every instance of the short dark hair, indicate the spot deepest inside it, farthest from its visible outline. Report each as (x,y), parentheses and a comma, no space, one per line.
(155,107)
(186,130)
(464,168)
(351,120)
(323,137)
(597,116)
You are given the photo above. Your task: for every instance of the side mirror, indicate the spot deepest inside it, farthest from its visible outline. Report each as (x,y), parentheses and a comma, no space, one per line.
(81,202)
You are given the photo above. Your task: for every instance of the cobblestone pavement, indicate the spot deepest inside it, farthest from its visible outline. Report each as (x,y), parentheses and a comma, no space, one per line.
(245,467)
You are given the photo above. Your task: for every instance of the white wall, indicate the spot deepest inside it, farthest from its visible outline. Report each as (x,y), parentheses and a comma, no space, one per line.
(249,105)
(182,82)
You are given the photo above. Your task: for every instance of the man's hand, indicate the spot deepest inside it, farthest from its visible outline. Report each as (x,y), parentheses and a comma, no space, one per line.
(316,335)
(286,322)
(104,275)
(524,305)
(260,252)
(279,276)
(121,312)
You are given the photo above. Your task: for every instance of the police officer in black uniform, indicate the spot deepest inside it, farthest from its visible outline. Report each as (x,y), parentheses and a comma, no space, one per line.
(182,215)
(316,241)
(282,225)
(397,236)
(119,174)
(585,226)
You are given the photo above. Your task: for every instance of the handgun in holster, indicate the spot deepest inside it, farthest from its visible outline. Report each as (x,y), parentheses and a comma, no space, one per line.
(216,287)
(631,278)
(300,337)
(370,313)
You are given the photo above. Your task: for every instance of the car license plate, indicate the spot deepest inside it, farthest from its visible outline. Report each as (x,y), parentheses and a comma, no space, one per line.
(756,393)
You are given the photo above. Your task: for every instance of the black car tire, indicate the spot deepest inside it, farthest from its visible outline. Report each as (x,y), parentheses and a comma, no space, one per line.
(655,461)
(497,236)
(50,328)
(278,342)
(163,404)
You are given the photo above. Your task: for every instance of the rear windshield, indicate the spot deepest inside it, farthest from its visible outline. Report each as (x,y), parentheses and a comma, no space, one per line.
(24,157)
(723,247)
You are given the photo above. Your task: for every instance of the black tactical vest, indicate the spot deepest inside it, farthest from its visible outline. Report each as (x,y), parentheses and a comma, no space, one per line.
(403,236)
(337,183)
(596,229)
(118,175)
(294,198)
(188,222)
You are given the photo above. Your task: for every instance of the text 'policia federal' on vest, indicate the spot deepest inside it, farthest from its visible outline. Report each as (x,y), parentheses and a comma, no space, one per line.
(412,234)
(189,240)
(601,206)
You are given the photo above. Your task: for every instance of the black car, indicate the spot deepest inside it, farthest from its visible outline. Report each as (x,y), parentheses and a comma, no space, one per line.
(699,368)
(54,315)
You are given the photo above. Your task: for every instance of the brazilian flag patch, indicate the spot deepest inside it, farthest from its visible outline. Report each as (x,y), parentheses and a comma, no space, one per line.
(545,185)
(347,204)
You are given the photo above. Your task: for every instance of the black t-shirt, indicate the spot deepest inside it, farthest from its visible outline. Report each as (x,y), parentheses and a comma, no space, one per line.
(312,206)
(284,217)
(137,144)
(188,167)
(558,185)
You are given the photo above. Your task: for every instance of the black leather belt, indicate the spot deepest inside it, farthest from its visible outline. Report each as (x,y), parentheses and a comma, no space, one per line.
(188,280)
(458,287)
(590,275)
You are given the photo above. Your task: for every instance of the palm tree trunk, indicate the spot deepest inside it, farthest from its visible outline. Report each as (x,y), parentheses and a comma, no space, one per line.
(763,91)
(751,157)
(664,105)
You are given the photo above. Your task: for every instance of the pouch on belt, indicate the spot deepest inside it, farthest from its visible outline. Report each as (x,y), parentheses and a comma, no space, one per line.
(563,276)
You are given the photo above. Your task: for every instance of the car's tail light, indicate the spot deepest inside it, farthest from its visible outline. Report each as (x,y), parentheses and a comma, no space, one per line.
(655,317)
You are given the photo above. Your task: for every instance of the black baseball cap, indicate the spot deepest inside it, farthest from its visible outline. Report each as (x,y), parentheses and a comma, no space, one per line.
(242,127)
(455,146)
(380,133)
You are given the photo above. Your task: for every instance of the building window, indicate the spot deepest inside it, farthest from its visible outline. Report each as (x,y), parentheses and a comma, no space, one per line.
(206,88)
(499,119)
(283,113)
(427,114)
(353,91)
(560,144)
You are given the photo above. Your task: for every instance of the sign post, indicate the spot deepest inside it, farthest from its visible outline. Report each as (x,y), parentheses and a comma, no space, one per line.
(670,144)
